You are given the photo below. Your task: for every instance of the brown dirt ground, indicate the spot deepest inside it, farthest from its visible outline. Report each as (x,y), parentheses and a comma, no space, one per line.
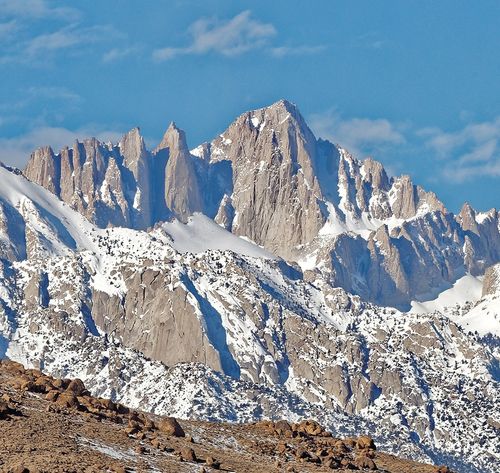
(36,437)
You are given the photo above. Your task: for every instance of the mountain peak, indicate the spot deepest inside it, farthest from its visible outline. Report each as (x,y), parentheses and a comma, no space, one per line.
(133,136)
(136,132)
(285,105)
(267,178)
(174,137)
(277,113)
(133,148)
(173,126)
(467,218)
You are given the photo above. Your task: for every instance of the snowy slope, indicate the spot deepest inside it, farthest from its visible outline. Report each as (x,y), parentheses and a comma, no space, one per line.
(202,233)
(464,304)
(466,289)
(483,318)
(67,224)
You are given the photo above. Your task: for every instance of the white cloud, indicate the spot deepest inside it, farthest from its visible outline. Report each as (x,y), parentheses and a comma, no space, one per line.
(463,155)
(36,9)
(16,151)
(52,93)
(282,51)
(227,37)
(61,39)
(67,37)
(481,153)
(40,48)
(468,153)
(116,54)
(445,142)
(359,135)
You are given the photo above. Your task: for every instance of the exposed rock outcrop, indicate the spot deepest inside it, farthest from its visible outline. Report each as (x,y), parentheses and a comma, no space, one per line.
(181,189)
(44,426)
(491,282)
(168,329)
(268,178)
(275,192)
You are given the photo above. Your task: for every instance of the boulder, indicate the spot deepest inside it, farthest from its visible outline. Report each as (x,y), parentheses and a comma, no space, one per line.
(283,428)
(4,410)
(188,454)
(212,463)
(52,395)
(170,426)
(443,469)
(365,442)
(309,427)
(365,463)
(331,463)
(281,448)
(76,387)
(67,399)
(43,384)
(12,367)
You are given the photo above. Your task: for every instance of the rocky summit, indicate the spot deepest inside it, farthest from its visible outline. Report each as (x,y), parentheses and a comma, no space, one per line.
(267,178)
(267,275)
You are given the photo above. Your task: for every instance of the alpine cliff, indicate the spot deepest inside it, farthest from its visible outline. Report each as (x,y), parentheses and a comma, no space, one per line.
(267,178)
(266,274)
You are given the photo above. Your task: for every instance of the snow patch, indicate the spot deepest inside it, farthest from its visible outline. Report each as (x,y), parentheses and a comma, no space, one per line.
(255,121)
(483,318)
(466,289)
(201,234)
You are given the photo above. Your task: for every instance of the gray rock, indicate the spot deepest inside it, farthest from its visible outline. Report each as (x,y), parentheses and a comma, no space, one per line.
(269,179)
(491,281)
(181,188)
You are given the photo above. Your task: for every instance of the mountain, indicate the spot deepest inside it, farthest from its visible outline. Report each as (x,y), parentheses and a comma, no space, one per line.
(266,274)
(268,179)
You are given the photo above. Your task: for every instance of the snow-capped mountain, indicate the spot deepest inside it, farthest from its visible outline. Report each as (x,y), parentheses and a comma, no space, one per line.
(267,178)
(238,281)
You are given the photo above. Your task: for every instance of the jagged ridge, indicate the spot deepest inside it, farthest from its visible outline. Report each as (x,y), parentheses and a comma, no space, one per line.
(269,179)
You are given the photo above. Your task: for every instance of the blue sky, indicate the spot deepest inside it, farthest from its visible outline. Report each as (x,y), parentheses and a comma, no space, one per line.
(415,84)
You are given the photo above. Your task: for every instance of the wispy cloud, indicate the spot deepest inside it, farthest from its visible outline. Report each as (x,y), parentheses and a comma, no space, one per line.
(227,37)
(370,40)
(68,37)
(57,93)
(467,153)
(36,9)
(458,156)
(43,47)
(360,136)
(35,105)
(33,32)
(282,51)
(8,28)
(117,54)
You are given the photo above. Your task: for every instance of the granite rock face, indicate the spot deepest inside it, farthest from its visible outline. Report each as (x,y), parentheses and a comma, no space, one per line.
(169,329)
(276,196)
(267,178)
(491,282)
(124,184)
(220,335)
(181,189)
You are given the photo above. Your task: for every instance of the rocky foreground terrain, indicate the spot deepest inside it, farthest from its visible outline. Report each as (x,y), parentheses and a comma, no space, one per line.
(55,425)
